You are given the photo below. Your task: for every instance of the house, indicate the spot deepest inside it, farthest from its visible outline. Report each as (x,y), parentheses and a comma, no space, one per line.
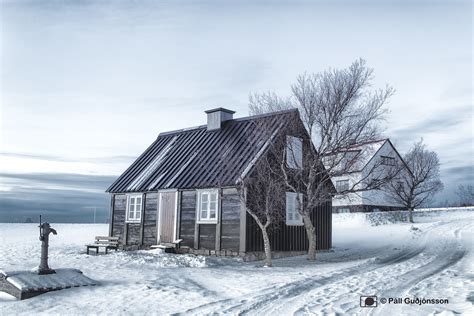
(185,187)
(379,156)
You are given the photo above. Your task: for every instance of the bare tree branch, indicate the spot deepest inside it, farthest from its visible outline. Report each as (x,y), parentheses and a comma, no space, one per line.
(418,187)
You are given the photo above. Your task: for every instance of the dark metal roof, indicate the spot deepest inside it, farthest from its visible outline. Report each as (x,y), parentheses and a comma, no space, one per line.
(197,158)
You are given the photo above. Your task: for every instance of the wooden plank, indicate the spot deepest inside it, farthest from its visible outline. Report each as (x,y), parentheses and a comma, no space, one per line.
(142,219)
(111,214)
(219,216)
(196,235)
(243,225)
(125,234)
(178,214)
(207,236)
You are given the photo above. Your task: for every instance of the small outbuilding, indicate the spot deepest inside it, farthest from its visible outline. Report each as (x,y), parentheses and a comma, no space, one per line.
(184,188)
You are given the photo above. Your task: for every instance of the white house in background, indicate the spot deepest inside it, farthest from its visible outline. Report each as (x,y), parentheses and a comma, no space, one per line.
(380,154)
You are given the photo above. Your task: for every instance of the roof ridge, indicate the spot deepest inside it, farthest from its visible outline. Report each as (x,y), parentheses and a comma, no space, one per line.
(240,119)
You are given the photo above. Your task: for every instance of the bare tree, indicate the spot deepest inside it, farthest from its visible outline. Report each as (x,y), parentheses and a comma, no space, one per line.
(418,187)
(261,192)
(465,195)
(340,110)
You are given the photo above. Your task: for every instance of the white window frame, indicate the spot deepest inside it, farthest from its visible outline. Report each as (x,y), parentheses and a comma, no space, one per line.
(338,186)
(207,220)
(137,218)
(294,158)
(293,217)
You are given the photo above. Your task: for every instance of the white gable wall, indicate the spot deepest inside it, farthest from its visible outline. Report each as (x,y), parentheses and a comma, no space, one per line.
(379,197)
(372,197)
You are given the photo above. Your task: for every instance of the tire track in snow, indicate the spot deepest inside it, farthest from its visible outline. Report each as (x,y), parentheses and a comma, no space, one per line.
(440,262)
(258,300)
(274,297)
(454,252)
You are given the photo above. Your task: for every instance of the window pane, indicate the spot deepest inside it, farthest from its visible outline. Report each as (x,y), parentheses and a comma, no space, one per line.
(204,214)
(212,214)
(294,152)
(213,206)
(204,206)
(205,197)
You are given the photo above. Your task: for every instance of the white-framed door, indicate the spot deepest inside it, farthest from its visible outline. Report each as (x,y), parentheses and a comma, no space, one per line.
(167,216)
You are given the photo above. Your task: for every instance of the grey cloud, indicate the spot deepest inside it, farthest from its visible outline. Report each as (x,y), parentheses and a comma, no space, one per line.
(434,123)
(108,159)
(58,197)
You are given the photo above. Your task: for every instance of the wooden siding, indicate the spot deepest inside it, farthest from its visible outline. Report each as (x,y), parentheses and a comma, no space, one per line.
(230,220)
(118,219)
(293,238)
(207,233)
(207,236)
(133,234)
(188,218)
(150,219)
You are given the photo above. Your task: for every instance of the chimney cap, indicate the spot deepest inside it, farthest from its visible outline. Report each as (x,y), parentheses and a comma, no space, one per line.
(220,109)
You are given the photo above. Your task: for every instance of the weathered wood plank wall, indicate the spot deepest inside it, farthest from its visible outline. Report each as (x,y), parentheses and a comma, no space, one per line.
(230,220)
(188,218)
(118,222)
(150,219)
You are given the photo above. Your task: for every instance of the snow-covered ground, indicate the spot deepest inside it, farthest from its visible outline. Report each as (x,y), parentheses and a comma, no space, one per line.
(431,259)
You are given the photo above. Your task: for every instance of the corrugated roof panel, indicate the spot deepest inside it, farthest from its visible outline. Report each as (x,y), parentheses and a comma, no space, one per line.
(197,158)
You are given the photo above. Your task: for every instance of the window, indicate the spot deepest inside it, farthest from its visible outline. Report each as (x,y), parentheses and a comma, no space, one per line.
(134,208)
(294,152)
(349,158)
(293,217)
(389,161)
(342,185)
(207,206)
(344,210)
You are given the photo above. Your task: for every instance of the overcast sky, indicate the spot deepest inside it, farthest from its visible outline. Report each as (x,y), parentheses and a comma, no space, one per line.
(87,86)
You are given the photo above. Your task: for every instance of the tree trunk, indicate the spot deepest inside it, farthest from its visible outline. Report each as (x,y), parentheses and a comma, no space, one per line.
(268,250)
(410,214)
(311,232)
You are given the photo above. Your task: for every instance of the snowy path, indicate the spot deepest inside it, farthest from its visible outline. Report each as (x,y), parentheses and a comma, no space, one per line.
(431,259)
(392,275)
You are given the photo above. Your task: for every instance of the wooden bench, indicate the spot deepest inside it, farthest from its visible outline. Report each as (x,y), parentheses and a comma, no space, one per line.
(105,242)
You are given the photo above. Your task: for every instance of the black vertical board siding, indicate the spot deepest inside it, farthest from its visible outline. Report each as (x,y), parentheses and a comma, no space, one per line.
(292,238)
(188,218)
(151,213)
